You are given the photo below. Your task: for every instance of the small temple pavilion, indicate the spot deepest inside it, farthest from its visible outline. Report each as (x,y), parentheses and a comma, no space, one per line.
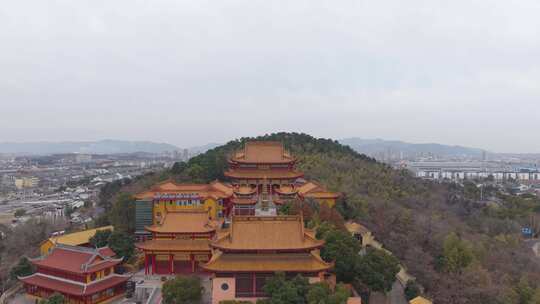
(253,248)
(82,275)
(180,242)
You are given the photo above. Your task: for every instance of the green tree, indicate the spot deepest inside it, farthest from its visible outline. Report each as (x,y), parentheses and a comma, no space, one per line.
(283,291)
(320,293)
(377,269)
(342,249)
(340,295)
(178,168)
(19,212)
(22,269)
(55,298)
(122,214)
(525,293)
(101,238)
(182,290)
(457,253)
(122,244)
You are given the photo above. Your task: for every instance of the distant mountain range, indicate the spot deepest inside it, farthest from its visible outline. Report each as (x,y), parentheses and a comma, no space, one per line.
(91,147)
(372,147)
(375,147)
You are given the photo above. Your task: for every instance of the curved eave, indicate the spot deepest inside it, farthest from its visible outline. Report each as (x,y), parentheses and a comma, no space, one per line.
(286,193)
(245,192)
(158,230)
(238,175)
(289,160)
(230,249)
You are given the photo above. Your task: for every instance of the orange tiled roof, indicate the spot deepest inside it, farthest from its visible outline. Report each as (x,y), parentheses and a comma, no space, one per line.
(263,152)
(267,233)
(216,190)
(286,190)
(261,174)
(73,287)
(174,245)
(185,221)
(77,259)
(420,300)
(245,190)
(354,227)
(294,262)
(315,190)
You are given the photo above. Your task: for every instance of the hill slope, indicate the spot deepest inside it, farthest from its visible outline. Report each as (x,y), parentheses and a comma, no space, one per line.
(378,146)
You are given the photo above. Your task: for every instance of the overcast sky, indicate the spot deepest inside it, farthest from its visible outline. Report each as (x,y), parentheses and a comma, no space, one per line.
(191,72)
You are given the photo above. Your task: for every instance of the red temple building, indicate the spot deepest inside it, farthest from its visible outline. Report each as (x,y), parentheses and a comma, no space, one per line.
(180,242)
(254,248)
(82,275)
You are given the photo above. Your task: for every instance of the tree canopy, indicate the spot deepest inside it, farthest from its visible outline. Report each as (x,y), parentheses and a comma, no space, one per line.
(55,298)
(101,238)
(182,290)
(297,290)
(22,269)
(122,244)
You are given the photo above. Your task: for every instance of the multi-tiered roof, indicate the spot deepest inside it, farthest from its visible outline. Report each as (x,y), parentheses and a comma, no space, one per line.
(266,244)
(262,160)
(215,190)
(60,269)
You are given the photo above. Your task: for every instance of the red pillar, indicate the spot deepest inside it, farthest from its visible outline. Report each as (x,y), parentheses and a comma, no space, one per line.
(145,263)
(254,284)
(171,264)
(153,263)
(192,263)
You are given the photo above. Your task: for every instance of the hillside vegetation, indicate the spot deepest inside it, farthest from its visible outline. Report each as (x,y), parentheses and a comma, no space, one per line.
(459,250)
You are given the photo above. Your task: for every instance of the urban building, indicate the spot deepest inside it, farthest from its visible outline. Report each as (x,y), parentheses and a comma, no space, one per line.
(26,182)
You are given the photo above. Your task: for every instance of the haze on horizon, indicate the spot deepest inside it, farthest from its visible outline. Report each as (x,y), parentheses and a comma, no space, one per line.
(193,72)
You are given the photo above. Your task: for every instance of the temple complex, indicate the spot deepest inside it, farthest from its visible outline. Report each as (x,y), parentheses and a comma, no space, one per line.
(231,228)
(253,248)
(82,275)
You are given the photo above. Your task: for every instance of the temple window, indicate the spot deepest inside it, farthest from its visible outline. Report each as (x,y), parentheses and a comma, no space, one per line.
(244,285)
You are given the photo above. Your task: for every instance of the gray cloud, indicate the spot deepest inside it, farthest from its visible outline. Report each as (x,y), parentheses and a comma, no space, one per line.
(191,72)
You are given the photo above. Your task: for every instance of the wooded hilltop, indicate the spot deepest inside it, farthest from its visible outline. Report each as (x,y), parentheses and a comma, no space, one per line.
(459,249)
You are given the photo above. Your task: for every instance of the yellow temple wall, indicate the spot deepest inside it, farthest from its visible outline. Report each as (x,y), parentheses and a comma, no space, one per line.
(211,205)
